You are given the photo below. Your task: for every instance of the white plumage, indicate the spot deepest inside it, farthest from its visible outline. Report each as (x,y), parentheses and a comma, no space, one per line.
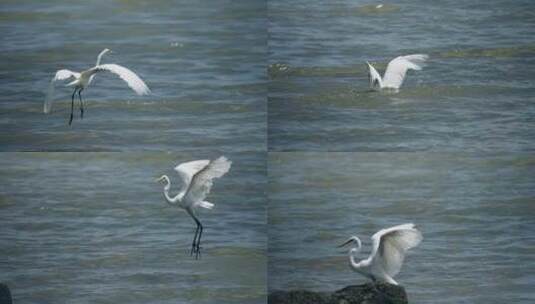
(60,75)
(197,179)
(83,79)
(187,170)
(395,71)
(388,252)
(131,79)
(201,182)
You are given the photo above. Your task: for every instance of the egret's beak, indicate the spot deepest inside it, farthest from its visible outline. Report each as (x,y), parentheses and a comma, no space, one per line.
(159,179)
(368,63)
(347,242)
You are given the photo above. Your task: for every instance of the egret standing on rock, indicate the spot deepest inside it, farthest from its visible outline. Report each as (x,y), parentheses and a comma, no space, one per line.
(388,252)
(84,78)
(196,179)
(395,71)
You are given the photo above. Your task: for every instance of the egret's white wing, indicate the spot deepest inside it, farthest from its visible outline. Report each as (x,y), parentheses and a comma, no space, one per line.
(133,81)
(391,244)
(60,75)
(187,170)
(397,69)
(201,182)
(373,76)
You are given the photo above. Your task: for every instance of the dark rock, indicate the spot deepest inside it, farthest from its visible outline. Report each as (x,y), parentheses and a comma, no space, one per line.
(298,296)
(5,294)
(380,293)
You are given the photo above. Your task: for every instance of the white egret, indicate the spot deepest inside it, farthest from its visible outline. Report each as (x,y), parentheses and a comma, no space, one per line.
(84,78)
(196,179)
(388,252)
(395,71)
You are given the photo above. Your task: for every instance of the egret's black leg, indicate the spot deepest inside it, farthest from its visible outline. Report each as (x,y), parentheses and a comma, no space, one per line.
(194,243)
(72,106)
(81,103)
(197,242)
(198,253)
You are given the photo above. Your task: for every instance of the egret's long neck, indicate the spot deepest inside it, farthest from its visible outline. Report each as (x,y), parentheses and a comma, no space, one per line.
(353,253)
(375,78)
(380,83)
(170,200)
(99,57)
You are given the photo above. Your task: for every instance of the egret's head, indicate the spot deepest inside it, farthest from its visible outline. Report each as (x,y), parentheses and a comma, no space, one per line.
(351,240)
(163,179)
(103,52)
(99,58)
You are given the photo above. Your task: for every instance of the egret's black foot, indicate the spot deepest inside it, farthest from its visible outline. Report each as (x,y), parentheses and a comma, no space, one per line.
(198,252)
(81,113)
(70,120)
(193,249)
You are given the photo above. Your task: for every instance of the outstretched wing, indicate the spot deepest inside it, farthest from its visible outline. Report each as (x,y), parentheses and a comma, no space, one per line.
(187,170)
(201,182)
(397,68)
(133,81)
(391,244)
(60,75)
(374,77)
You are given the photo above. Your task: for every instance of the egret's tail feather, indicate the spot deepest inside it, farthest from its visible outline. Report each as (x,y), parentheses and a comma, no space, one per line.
(388,279)
(206,205)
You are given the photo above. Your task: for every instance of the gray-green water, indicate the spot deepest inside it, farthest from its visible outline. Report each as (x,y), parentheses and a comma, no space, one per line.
(231,77)
(94,228)
(476,94)
(204,61)
(476,212)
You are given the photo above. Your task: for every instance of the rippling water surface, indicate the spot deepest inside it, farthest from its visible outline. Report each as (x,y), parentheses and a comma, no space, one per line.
(94,228)
(476,94)
(204,61)
(476,212)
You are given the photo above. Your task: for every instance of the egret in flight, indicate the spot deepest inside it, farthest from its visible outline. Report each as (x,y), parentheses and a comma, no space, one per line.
(388,252)
(84,78)
(196,177)
(395,71)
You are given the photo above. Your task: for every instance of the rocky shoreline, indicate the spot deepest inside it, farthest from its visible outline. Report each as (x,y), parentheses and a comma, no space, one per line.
(381,293)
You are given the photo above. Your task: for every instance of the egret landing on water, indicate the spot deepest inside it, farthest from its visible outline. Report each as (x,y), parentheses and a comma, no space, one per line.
(395,72)
(84,78)
(196,179)
(388,252)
